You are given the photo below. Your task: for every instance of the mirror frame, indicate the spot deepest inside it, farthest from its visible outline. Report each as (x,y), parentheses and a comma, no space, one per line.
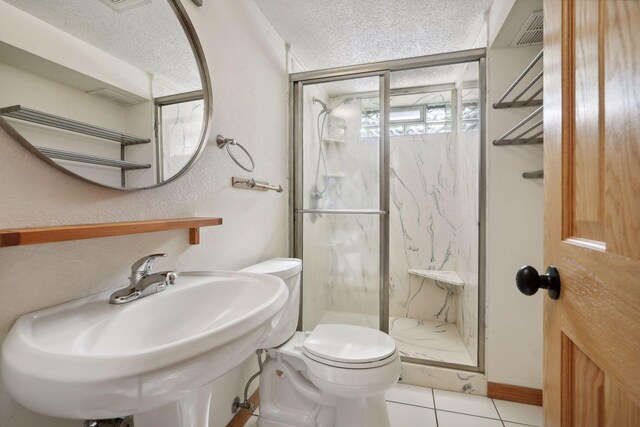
(198,52)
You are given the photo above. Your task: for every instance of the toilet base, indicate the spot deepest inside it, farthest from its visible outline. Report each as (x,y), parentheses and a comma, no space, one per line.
(370,412)
(291,394)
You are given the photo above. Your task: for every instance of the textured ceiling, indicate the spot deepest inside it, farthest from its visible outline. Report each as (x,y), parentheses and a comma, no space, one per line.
(334,33)
(148,36)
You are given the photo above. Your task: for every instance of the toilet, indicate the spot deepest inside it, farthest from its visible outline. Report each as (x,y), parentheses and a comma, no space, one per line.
(333,376)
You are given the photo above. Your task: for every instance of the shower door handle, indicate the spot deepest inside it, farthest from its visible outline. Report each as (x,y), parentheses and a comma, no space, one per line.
(528,281)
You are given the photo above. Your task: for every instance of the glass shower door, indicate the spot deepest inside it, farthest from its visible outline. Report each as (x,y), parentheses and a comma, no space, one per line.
(338,215)
(389,202)
(434,213)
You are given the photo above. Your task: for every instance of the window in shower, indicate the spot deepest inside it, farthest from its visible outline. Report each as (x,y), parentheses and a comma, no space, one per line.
(470,111)
(408,114)
(429,112)
(438,118)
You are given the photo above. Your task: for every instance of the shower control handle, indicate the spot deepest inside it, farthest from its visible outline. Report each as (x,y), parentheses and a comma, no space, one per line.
(529,281)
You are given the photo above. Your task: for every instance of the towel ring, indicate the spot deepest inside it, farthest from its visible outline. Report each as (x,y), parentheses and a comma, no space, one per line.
(226,142)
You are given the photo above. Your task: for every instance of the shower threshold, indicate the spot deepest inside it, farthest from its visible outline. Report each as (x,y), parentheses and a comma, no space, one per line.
(415,338)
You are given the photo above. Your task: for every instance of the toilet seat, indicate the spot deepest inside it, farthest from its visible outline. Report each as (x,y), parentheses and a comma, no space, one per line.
(366,365)
(349,347)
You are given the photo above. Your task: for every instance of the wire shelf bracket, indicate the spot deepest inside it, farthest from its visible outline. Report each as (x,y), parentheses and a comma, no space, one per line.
(532,134)
(533,175)
(519,100)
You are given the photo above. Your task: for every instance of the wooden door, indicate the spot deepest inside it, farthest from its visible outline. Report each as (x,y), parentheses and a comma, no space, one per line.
(592,212)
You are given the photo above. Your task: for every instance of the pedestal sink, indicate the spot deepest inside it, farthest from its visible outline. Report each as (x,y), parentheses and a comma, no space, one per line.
(154,358)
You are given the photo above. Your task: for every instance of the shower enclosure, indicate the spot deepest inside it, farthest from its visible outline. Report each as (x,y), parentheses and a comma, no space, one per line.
(388,202)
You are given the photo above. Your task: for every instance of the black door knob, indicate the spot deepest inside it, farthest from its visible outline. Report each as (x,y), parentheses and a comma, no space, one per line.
(529,281)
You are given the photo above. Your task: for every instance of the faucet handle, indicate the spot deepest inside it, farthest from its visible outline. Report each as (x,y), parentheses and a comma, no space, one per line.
(144,264)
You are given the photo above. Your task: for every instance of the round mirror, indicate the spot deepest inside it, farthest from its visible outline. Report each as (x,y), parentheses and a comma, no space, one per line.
(115,92)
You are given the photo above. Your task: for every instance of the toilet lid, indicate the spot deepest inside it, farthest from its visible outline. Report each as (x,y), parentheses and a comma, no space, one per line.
(349,344)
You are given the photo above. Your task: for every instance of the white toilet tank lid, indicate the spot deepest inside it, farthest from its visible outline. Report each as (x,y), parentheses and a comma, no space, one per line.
(279,267)
(349,344)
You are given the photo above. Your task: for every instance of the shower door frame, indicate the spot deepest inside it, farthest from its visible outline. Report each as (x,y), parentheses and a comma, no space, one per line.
(383,70)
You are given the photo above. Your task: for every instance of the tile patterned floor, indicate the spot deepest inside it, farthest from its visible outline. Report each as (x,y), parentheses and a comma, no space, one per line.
(411,406)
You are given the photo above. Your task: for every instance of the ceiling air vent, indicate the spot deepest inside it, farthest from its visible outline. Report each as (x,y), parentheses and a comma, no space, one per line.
(114,97)
(531,32)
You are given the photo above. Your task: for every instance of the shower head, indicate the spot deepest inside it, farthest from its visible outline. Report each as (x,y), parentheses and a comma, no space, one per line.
(346,101)
(328,110)
(317,101)
(349,100)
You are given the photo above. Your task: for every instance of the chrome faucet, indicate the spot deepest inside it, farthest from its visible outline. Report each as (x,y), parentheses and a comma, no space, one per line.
(143,282)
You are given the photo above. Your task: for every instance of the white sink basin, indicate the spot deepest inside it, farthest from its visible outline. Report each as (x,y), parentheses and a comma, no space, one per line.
(89,359)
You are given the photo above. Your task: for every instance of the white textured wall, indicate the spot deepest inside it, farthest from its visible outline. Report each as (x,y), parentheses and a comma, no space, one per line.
(496,17)
(247,60)
(514,235)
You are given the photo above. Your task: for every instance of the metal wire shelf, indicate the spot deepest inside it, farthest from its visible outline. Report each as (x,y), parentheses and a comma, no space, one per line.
(46,119)
(532,134)
(519,101)
(53,153)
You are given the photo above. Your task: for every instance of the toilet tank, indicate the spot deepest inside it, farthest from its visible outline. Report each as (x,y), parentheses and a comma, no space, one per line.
(289,270)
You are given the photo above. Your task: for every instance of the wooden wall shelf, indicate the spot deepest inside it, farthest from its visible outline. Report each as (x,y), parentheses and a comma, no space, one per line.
(34,236)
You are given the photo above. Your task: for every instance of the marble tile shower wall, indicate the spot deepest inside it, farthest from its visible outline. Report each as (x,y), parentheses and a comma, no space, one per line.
(434,225)
(467,256)
(467,203)
(423,225)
